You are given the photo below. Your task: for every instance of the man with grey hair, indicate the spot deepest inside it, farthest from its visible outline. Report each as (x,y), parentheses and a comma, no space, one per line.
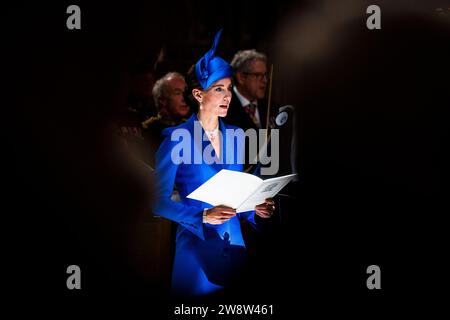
(247,108)
(168,93)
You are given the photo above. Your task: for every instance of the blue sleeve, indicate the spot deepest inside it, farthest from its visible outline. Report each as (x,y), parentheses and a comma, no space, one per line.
(189,217)
(250,217)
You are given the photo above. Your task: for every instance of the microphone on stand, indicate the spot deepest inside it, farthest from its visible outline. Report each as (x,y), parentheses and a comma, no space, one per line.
(283,115)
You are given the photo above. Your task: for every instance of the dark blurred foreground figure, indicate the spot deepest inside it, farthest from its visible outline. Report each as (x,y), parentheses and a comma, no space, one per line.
(136,107)
(150,239)
(373,115)
(140,96)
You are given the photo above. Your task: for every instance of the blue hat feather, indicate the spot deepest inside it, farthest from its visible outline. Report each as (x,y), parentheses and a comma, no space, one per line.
(211,68)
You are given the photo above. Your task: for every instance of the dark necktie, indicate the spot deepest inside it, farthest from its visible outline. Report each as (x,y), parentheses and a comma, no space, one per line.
(251,111)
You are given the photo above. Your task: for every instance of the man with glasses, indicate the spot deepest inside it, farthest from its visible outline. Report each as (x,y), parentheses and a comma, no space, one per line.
(247,108)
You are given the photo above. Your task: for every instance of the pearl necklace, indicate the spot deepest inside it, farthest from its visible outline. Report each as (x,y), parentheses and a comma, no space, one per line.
(211,133)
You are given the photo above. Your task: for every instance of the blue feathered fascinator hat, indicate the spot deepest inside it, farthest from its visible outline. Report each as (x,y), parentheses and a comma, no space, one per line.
(211,68)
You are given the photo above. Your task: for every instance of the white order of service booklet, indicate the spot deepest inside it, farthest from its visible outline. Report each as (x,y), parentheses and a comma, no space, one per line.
(238,190)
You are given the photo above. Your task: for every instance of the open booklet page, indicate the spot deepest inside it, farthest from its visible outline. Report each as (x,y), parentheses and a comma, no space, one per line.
(268,189)
(228,188)
(238,190)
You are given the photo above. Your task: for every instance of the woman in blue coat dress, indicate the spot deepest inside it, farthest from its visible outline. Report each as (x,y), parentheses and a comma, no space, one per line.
(210,250)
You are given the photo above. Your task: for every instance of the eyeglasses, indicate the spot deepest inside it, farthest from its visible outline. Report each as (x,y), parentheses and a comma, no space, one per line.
(258,75)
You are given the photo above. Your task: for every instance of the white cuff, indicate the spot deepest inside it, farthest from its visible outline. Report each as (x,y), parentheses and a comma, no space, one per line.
(204,215)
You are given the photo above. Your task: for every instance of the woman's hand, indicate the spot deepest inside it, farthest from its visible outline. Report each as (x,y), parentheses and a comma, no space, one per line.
(265,209)
(219,214)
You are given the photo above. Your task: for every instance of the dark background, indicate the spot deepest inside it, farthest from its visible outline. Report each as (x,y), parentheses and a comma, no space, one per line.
(372,159)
